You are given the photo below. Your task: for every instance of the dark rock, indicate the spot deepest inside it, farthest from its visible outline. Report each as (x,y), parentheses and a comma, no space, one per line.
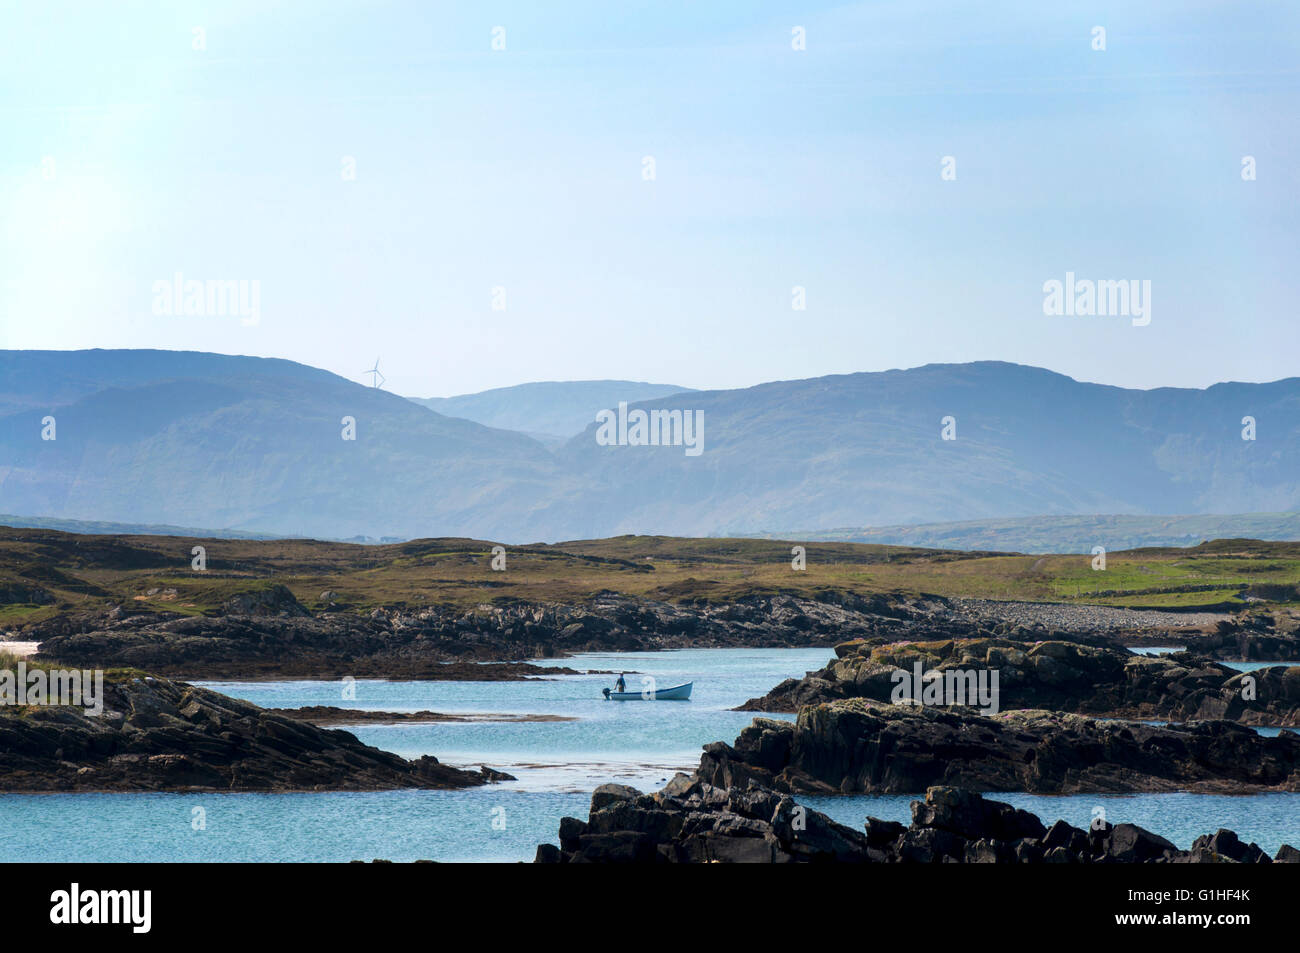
(1129,843)
(608,794)
(968,814)
(700,823)
(159,735)
(883,833)
(1062,835)
(984,851)
(1028,851)
(273,600)
(854,746)
(1226,844)
(570,830)
(927,845)
(548,854)
(267,632)
(616,847)
(1066,676)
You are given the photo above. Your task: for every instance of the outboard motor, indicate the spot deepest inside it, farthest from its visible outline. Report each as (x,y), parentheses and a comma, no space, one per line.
(605,692)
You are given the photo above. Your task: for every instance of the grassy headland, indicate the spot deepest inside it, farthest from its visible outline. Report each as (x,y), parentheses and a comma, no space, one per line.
(44,573)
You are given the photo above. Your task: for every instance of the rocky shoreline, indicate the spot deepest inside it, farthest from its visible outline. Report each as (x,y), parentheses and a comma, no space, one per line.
(1058,682)
(857,746)
(278,638)
(159,735)
(269,634)
(692,821)
(1060,676)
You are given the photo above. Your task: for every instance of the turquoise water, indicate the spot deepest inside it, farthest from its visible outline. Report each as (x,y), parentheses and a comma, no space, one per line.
(641,743)
(557,763)
(390,825)
(487,824)
(1256,666)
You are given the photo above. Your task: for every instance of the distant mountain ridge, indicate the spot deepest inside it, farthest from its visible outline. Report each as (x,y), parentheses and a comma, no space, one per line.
(256,445)
(191,439)
(867,449)
(97,528)
(546,409)
(1066,534)
(1036,534)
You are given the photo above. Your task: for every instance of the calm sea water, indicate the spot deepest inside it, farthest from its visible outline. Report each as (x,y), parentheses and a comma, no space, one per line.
(641,743)
(557,763)
(488,824)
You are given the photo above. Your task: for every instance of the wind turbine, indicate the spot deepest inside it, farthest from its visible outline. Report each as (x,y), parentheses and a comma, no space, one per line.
(378,379)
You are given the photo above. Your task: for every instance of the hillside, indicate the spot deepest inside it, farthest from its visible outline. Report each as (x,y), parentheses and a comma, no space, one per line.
(249,444)
(1066,534)
(253,445)
(44,572)
(548,410)
(866,449)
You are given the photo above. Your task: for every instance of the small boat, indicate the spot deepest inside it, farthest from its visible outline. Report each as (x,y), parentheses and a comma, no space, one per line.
(678,693)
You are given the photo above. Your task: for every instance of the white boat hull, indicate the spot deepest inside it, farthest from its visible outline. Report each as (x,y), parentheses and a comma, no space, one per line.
(678,693)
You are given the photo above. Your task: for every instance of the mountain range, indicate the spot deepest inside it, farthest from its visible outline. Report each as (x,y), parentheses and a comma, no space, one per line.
(258,445)
(1063,534)
(550,411)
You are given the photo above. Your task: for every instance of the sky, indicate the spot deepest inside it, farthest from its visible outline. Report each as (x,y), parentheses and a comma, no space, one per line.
(142,140)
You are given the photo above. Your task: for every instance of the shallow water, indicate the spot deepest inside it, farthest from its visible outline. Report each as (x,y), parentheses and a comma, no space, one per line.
(492,824)
(557,763)
(1256,666)
(479,824)
(637,742)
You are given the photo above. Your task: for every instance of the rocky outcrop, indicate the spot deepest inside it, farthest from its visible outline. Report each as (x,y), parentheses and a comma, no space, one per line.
(1258,636)
(251,639)
(271,600)
(691,821)
(267,632)
(860,747)
(249,646)
(159,735)
(1061,676)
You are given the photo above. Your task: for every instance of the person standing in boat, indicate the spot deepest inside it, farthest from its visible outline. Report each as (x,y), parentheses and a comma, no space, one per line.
(620,685)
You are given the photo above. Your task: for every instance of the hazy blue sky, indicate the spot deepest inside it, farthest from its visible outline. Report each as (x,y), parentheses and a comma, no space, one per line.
(523,169)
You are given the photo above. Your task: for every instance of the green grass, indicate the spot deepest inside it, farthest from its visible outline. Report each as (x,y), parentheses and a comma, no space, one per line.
(92,572)
(1171,600)
(14,615)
